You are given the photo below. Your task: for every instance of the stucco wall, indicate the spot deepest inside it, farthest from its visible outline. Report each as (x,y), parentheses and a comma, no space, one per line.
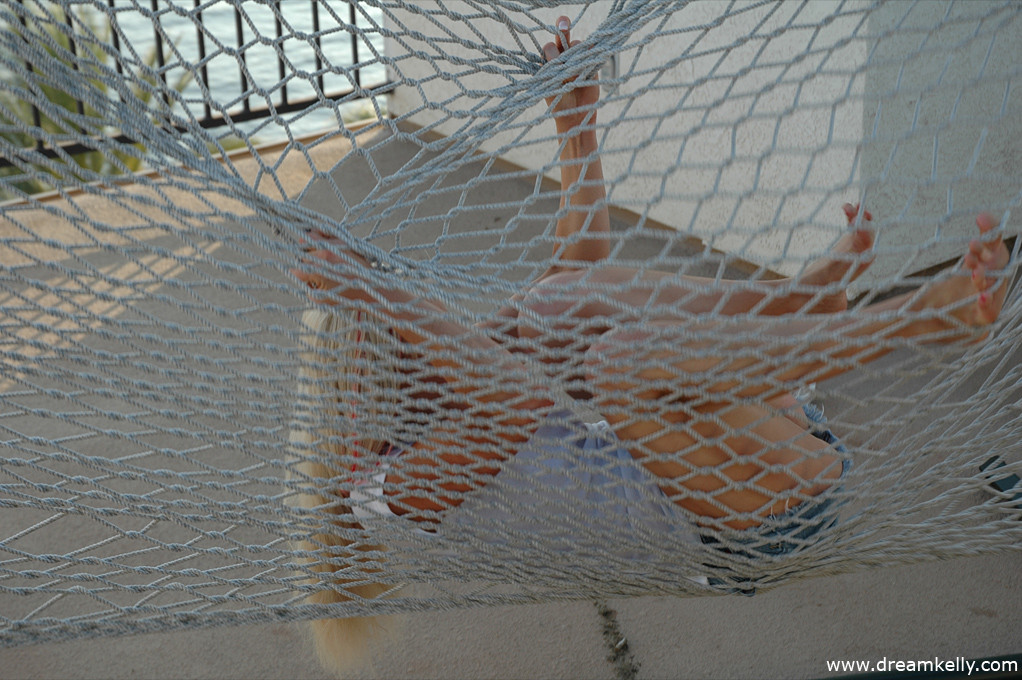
(942,126)
(754,148)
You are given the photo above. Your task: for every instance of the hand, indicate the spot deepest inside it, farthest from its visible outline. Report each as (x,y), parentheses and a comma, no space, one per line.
(573,108)
(317,281)
(392,302)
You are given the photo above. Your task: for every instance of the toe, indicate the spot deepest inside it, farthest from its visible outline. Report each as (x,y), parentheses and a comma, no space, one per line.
(852,211)
(862,241)
(979,277)
(986,222)
(990,248)
(987,308)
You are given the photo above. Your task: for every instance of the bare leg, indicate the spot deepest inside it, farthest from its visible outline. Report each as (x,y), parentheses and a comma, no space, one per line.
(585,223)
(699,393)
(712,423)
(569,293)
(848,262)
(583,227)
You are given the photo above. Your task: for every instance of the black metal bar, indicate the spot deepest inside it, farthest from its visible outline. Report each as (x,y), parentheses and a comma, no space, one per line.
(160,62)
(353,19)
(209,120)
(37,116)
(115,34)
(207,110)
(239,30)
(281,73)
(207,123)
(73,47)
(319,44)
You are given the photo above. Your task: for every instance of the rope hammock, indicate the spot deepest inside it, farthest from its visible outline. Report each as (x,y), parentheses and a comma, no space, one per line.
(187,440)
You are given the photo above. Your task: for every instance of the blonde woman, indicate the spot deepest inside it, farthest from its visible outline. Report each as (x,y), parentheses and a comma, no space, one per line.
(683,409)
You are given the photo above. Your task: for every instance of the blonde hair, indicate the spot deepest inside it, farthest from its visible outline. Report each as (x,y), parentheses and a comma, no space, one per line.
(347,372)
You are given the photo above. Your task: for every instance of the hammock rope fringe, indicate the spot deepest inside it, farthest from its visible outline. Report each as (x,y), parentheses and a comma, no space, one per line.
(477,416)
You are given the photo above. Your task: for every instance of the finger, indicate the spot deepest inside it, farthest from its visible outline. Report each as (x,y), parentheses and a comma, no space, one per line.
(309,279)
(852,211)
(550,51)
(563,33)
(316,257)
(320,235)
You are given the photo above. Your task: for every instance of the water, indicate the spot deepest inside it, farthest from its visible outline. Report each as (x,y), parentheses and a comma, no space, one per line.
(177,18)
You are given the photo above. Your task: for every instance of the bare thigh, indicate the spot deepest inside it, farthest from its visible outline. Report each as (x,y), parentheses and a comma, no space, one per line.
(719,459)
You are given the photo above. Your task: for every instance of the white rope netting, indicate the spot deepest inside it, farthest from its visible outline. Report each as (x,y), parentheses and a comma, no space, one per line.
(186,439)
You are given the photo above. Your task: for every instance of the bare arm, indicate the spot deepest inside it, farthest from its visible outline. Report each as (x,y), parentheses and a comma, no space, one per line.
(476,395)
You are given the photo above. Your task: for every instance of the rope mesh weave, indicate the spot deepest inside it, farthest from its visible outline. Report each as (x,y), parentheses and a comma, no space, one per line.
(185,442)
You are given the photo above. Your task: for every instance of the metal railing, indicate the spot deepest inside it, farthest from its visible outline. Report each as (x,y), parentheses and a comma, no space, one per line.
(284,103)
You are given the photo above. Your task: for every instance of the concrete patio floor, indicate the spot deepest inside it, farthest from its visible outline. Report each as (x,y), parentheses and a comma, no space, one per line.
(965,607)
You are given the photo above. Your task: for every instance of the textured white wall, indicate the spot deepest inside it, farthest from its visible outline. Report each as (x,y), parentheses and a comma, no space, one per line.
(762,142)
(942,134)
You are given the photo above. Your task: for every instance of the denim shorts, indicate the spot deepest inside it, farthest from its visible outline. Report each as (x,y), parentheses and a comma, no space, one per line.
(786,533)
(574,488)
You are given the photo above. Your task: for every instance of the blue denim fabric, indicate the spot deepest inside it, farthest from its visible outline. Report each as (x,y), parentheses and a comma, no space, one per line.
(787,532)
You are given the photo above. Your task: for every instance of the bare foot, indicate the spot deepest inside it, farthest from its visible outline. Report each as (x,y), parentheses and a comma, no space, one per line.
(575,108)
(850,251)
(975,296)
(849,254)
